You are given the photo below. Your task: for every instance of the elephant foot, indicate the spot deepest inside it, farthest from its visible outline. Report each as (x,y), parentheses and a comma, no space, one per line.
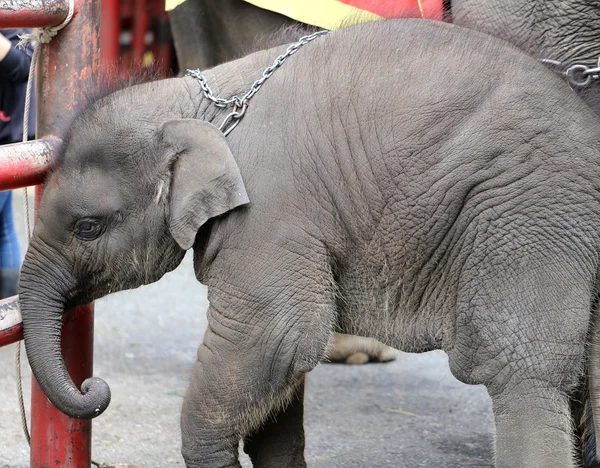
(359,350)
(357,358)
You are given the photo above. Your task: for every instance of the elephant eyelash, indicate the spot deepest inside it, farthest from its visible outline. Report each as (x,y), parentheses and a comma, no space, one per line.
(100,224)
(88,229)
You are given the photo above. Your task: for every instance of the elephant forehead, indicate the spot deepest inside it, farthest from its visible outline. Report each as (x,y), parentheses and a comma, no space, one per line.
(74,195)
(107,140)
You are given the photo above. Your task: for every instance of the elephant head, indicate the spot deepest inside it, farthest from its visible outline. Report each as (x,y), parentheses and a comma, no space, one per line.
(132,186)
(564,34)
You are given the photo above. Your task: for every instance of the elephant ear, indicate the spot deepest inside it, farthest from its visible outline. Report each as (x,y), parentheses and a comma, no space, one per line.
(205,179)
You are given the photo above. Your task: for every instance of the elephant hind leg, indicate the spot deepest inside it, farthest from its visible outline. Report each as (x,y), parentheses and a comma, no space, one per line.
(534,429)
(522,324)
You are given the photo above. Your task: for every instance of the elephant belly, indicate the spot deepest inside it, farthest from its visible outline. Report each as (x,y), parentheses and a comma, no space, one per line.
(385,315)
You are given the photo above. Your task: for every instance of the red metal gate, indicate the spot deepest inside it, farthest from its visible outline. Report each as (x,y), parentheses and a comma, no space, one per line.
(136,34)
(68,68)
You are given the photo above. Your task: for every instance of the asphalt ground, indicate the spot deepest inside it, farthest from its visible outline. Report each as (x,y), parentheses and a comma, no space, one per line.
(408,413)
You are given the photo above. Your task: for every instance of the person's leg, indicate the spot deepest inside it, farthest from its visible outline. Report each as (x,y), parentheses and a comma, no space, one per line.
(10,255)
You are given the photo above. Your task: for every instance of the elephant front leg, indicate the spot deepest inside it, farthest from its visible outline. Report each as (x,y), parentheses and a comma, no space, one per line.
(280,440)
(240,380)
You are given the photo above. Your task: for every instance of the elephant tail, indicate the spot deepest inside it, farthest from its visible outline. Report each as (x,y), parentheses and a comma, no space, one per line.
(590,421)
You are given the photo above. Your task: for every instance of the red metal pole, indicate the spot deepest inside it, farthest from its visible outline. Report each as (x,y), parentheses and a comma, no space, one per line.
(110,27)
(71,62)
(138,31)
(57,440)
(32,13)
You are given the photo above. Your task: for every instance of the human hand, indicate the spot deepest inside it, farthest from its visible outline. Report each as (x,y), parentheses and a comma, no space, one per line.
(4,46)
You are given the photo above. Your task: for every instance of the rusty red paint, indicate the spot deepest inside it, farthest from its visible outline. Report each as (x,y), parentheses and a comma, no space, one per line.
(24,164)
(63,89)
(32,13)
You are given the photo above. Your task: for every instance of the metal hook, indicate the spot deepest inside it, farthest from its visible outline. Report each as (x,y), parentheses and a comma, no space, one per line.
(233,119)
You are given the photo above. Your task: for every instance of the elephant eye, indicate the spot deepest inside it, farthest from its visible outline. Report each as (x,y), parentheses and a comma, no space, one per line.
(87,229)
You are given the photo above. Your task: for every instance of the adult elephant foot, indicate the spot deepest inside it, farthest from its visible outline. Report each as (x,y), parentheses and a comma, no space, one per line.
(350,349)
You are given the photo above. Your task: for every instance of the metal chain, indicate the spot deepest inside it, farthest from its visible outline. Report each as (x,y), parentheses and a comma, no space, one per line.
(240,104)
(578,76)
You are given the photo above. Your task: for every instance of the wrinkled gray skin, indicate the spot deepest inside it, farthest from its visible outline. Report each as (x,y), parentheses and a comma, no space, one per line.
(564,30)
(453,207)
(209,32)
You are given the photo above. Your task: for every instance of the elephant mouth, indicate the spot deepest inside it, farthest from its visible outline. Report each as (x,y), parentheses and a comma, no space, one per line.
(78,297)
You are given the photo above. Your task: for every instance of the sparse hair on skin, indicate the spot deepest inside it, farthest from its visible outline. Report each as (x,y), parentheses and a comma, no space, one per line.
(285,35)
(110,80)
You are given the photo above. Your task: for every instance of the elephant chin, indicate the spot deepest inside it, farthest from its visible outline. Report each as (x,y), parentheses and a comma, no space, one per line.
(42,326)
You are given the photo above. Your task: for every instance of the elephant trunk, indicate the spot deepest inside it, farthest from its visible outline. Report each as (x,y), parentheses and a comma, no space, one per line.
(42,302)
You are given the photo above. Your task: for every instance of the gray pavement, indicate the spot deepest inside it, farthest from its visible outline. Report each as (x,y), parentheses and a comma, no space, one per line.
(409,413)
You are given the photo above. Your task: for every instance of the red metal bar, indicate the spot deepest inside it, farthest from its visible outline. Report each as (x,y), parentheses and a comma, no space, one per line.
(32,13)
(24,164)
(11,327)
(50,425)
(110,27)
(71,61)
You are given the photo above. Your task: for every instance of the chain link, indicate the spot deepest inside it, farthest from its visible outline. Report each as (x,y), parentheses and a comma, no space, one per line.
(241,103)
(578,76)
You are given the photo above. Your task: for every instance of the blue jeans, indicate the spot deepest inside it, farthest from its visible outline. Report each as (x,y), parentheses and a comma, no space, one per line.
(10,255)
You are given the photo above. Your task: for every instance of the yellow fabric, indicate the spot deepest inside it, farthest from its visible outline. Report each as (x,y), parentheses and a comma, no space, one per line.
(171,4)
(327,14)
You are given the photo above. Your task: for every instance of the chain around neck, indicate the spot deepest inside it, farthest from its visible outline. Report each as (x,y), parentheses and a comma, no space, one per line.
(240,104)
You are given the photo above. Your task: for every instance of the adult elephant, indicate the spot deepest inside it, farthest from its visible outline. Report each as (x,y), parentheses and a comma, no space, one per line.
(565,32)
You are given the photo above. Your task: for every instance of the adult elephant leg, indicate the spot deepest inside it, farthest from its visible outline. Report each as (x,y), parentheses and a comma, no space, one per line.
(210,32)
(280,440)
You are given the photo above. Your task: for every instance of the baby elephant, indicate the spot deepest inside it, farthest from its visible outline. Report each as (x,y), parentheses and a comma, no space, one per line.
(414,182)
